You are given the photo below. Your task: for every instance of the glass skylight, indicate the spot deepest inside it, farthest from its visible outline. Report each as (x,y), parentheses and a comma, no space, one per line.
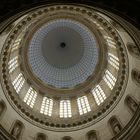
(66,77)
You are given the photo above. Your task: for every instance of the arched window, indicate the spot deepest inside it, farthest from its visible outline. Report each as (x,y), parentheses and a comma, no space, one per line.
(91,135)
(2,107)
(41,136)
(115,125)
(16,44)
(30,97)
(66,138)
(18,82)
(133,49)
(46,107)
(113,60)
(98,94)
(109,79)
(131,103)
(110,42)
(13,64)
(83,105)
(17,130)
(65,109)
(136,76)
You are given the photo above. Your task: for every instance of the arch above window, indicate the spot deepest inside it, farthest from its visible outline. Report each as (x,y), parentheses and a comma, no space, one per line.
(41,136)
(66,138)
(2,107)
(136,76)
(115,125)
(133,49)
(17,129)
(131,103)
(91,135)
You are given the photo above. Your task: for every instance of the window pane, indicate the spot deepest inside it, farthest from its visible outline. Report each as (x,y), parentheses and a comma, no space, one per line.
(109,79)
(65,109)
(46,107)
(13,64)
(110,42)
(113,60)
(98,94)
(83,105)
(18,83)
(30,97)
